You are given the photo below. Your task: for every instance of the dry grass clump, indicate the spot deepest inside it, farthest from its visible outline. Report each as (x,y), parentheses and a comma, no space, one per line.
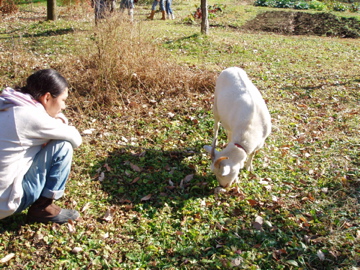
(8,7)
(120,65)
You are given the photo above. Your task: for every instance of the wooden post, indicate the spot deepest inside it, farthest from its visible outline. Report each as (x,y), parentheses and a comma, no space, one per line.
(51,10)
(204,17)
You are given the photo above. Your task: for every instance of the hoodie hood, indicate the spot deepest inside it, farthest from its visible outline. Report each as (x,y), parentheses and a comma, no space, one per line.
(10,98)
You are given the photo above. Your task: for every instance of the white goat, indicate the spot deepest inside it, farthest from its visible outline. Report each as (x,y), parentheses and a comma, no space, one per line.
(242,111)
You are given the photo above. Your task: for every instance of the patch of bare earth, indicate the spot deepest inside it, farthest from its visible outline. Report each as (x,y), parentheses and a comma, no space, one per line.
(302,23)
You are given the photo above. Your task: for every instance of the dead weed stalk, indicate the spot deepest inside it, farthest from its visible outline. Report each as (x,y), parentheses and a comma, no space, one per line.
(121,66)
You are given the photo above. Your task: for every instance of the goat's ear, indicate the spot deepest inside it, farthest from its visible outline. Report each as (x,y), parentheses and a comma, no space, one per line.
(208,148)
(225,170)
(218,161)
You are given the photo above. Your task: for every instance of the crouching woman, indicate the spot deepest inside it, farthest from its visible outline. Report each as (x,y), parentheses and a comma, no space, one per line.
(36,148)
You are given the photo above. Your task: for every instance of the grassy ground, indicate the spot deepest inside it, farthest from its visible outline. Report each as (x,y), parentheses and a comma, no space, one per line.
(142,98)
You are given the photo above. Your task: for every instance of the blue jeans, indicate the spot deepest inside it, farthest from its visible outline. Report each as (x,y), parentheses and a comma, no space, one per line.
(168,7)
(48,173)
(100,9)
(126,4)
(161,3)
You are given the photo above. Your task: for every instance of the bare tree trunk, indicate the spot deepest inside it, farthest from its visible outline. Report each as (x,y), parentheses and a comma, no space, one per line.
(51,10)
(204,17)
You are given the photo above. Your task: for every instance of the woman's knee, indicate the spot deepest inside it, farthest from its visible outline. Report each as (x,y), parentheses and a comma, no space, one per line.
(59,150)
(61,146)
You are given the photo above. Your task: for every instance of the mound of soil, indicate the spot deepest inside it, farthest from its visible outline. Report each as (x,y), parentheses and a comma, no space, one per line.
(301,23)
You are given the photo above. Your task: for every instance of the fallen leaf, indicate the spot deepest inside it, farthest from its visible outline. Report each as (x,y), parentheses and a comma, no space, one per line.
(221,227)
(146,198)
(219,190)
(129,206)
(321,255)
(77,250)
(107,167)
(71,226)
(125,201)
(252,202)
(293,263)
(38,236)
(101,177)
(135,167)
(88,131)
(7,258)
(85,207)
(135,180)
(236,262)
(258,223)
(188,178)
(109,214)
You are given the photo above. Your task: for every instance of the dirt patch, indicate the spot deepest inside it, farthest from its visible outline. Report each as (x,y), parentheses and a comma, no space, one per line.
(302,23)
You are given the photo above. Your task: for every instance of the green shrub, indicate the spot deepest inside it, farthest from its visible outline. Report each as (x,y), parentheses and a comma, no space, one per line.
(317,5)
(260,3)
(265,3)
(355,7)
(301,5)
(285,4)
(339,7)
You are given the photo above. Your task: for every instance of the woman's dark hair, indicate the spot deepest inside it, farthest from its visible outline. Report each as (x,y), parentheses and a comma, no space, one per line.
(43,81)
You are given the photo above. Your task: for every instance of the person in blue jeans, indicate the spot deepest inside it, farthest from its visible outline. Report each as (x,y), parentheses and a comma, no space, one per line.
(36,148)
(169,12)
(127,4)
(153,9)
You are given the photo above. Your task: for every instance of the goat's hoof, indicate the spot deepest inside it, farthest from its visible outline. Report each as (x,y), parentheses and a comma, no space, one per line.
(219,190)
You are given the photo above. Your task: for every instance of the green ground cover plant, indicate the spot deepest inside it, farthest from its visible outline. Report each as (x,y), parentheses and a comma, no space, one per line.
(317,5)
(141,95)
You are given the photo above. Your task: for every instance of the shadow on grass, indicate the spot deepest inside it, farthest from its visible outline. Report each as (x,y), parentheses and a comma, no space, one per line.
(12,223)
(194,36)
(151,178)
(48,33)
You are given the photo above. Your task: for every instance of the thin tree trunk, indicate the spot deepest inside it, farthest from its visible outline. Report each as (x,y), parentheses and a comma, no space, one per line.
(51,10)
(204,17)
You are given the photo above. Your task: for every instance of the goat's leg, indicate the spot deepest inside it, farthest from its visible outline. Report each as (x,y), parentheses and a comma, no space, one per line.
(216,132)
(214,142)
(248,164)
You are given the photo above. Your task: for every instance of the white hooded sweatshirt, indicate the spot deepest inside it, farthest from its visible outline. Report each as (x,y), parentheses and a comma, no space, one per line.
(24,127)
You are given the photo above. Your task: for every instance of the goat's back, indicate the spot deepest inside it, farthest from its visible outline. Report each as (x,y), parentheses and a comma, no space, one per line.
(241,109)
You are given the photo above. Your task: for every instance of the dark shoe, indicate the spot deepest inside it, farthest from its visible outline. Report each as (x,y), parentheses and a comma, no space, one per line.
(44,211)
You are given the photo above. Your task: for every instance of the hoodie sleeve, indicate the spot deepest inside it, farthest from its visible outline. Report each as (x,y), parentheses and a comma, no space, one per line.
(36,127)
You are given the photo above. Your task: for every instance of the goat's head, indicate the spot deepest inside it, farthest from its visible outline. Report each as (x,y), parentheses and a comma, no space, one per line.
(226,164)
